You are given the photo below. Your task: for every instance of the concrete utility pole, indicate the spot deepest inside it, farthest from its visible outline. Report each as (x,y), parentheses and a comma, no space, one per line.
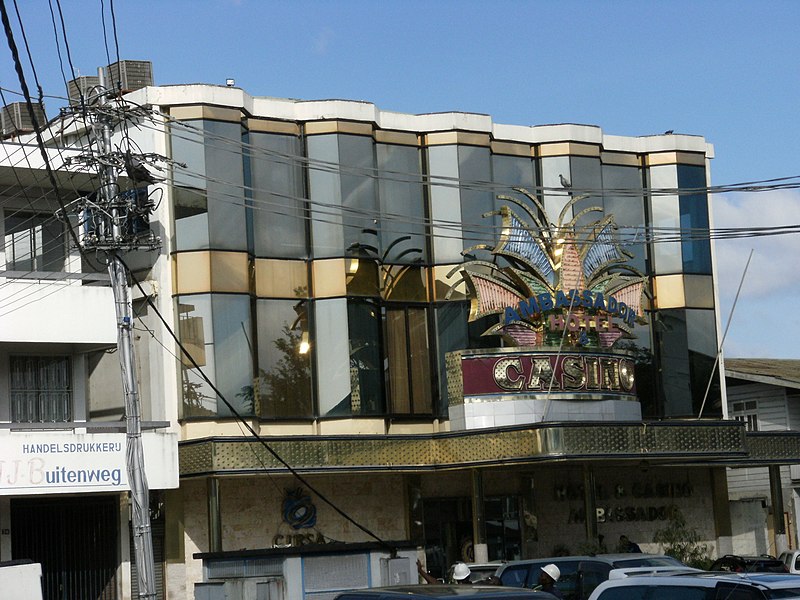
(114,235)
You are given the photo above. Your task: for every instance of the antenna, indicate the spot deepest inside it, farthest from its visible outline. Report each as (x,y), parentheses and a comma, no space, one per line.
(724,335)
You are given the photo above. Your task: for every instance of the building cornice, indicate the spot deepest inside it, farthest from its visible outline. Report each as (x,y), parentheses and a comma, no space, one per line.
(676,442)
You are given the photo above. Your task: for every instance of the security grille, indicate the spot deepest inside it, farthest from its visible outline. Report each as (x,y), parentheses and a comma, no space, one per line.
(325,576)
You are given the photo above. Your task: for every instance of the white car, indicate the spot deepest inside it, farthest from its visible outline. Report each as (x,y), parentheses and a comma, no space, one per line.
(701,586)
(791,558)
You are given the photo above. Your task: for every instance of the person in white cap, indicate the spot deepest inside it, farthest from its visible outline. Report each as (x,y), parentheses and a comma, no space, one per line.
(547,580)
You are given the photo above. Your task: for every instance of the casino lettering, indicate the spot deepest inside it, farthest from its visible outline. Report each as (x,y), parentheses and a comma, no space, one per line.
(580,372)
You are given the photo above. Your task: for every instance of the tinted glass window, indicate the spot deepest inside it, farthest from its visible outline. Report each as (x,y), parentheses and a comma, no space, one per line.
(695,248)
(515,576)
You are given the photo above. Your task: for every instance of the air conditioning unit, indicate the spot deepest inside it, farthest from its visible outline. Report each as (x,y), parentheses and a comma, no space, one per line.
(81,86)
(128,75)
(16,119)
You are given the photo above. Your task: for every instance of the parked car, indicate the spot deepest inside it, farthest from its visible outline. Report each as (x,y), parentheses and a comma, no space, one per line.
(443,592)
(791,558)
(701,586)
(749,564)
(580,575)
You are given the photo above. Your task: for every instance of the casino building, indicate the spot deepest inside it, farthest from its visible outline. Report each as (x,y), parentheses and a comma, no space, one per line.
(467,340)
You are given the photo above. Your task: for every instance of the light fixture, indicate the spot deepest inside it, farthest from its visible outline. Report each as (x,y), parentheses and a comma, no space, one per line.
(230,82)
(304,345)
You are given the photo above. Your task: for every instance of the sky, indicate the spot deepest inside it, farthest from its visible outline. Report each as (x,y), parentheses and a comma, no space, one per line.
(726,70)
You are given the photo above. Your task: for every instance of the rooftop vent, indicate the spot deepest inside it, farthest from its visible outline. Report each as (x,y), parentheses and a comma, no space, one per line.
(16,120)
(128,75)
(81,86)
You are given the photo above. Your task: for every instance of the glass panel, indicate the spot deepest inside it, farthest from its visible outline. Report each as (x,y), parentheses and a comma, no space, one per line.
(515,171)
(219,327)
(628,210)
(40,389)
(191,218)
(445,204)
(326,196)
(188,148)
(474,170)
(362,277)
(695,245)
(451,334)
(225,183)
(332,355)
(702,347)
(284,359)
(33,242)
(555,195)
(402,204)
(279,208)
(420,357)
(666,220)
(366,366)
(359,199)
(675,381)
(408,359)
(587,176)
(397,358)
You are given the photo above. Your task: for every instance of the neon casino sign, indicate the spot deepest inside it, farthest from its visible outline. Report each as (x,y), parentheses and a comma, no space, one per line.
(562,295)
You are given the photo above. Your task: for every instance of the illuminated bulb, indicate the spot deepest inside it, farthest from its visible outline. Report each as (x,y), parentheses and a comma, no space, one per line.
(353,265)
(304,345)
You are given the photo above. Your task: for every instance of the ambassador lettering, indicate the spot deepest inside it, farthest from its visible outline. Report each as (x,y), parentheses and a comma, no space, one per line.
(71,447)
(587,299)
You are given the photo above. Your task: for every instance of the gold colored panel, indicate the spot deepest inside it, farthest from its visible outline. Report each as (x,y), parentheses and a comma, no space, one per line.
(445,279)
(270,126)
(192,272)
(677,442)
(668,291)
(361,275)
(455,378)
(699,290)
(401,138)
(281,278)
(512,149)
(319,127)
(620,158)
(672,158)
(569,148)
(216,113)
(408,283)
(328,278)
(457,137)
(230,272)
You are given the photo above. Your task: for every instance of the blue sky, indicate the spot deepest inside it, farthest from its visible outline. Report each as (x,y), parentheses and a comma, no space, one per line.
(729,71)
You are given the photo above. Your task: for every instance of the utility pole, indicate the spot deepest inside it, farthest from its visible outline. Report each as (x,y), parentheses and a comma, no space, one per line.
(109,227)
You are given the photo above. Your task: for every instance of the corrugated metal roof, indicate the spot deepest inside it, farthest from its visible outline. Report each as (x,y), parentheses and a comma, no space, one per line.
(769,370)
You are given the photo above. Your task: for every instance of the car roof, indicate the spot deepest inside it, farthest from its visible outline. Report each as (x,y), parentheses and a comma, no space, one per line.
(439,591)
(706,579)
(606,558)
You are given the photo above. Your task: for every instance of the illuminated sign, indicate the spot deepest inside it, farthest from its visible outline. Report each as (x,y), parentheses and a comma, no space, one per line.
(565,283)
(563,298)
(526,372)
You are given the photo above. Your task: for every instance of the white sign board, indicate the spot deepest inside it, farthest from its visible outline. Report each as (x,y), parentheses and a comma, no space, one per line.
(66,462)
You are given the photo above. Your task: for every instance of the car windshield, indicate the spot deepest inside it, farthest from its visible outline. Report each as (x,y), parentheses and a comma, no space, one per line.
(647,561)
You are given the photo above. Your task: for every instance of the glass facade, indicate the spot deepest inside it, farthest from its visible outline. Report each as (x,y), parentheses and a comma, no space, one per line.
(381,224)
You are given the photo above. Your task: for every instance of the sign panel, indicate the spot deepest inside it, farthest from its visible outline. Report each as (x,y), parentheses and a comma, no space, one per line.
(66,462)
(531,373)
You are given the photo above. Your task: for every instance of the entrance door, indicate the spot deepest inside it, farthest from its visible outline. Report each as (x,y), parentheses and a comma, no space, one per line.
(76,541)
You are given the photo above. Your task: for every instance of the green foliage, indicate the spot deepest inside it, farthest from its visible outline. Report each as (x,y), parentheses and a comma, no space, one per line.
(680,541)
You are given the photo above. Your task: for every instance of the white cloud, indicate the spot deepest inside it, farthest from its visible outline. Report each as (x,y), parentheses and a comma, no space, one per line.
(774,266)
(764,323)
